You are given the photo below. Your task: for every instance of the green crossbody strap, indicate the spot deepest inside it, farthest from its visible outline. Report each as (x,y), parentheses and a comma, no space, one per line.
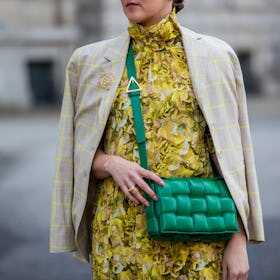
(133,90)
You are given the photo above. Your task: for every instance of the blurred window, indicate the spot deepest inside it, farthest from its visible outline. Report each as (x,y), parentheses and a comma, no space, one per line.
(250,79)
(41,78)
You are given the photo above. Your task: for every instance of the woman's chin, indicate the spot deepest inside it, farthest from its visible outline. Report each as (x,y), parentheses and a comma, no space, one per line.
(135,19)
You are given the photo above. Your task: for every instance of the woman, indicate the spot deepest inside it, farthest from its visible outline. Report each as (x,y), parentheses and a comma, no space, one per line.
(194,106)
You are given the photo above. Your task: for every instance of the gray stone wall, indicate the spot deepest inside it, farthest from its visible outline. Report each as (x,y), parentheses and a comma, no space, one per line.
(89,20)
(41,34)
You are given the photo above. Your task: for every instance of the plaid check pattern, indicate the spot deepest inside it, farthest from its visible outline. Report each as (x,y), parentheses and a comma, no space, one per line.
(92,77)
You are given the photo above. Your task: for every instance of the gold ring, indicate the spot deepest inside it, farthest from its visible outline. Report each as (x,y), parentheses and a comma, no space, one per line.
(131,189)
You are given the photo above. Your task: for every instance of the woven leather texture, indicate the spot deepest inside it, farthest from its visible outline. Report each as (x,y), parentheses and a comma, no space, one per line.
(191,209)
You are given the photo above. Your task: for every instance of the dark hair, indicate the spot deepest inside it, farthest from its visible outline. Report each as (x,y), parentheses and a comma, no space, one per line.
(178,4)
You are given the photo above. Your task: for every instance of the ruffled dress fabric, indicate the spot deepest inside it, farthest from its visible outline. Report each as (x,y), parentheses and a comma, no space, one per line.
(178,144)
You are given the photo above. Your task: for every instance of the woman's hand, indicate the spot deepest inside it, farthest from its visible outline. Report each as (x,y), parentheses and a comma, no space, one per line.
(235,263)
(129,176)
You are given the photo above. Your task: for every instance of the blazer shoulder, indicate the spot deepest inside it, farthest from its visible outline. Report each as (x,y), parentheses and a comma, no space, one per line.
(213,44)
(218,45)
(98,49)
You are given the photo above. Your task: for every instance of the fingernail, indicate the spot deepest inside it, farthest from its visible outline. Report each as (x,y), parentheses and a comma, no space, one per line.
(147,204)
(155,198)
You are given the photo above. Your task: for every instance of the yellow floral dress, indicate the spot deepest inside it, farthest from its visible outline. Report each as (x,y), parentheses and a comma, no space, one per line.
(178,144)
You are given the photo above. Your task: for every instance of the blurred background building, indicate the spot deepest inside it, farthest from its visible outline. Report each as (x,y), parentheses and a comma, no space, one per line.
(38,37)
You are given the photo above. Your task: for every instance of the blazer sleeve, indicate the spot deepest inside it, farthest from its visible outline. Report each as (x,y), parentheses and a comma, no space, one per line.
(61,228)
(255,218)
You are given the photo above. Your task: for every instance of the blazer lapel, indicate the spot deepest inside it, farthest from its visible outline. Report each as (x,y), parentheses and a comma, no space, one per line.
(115,58)
(117,48)
(197,58)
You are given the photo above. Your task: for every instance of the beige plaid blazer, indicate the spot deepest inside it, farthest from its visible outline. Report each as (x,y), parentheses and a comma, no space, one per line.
(93,75)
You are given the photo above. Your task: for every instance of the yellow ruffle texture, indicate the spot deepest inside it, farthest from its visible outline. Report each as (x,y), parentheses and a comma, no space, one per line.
(178,144)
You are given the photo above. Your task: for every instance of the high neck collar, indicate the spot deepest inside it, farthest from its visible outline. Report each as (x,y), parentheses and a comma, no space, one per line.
(158,34)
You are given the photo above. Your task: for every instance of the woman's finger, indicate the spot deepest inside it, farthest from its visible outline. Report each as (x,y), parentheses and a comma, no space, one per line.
(129,195)
(132,192)
(224,272)
(140,197)
(243,276)
(146,188)
(152,176)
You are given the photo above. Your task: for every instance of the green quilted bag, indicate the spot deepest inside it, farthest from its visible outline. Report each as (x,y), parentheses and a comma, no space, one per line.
(199,209)
(195,209)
